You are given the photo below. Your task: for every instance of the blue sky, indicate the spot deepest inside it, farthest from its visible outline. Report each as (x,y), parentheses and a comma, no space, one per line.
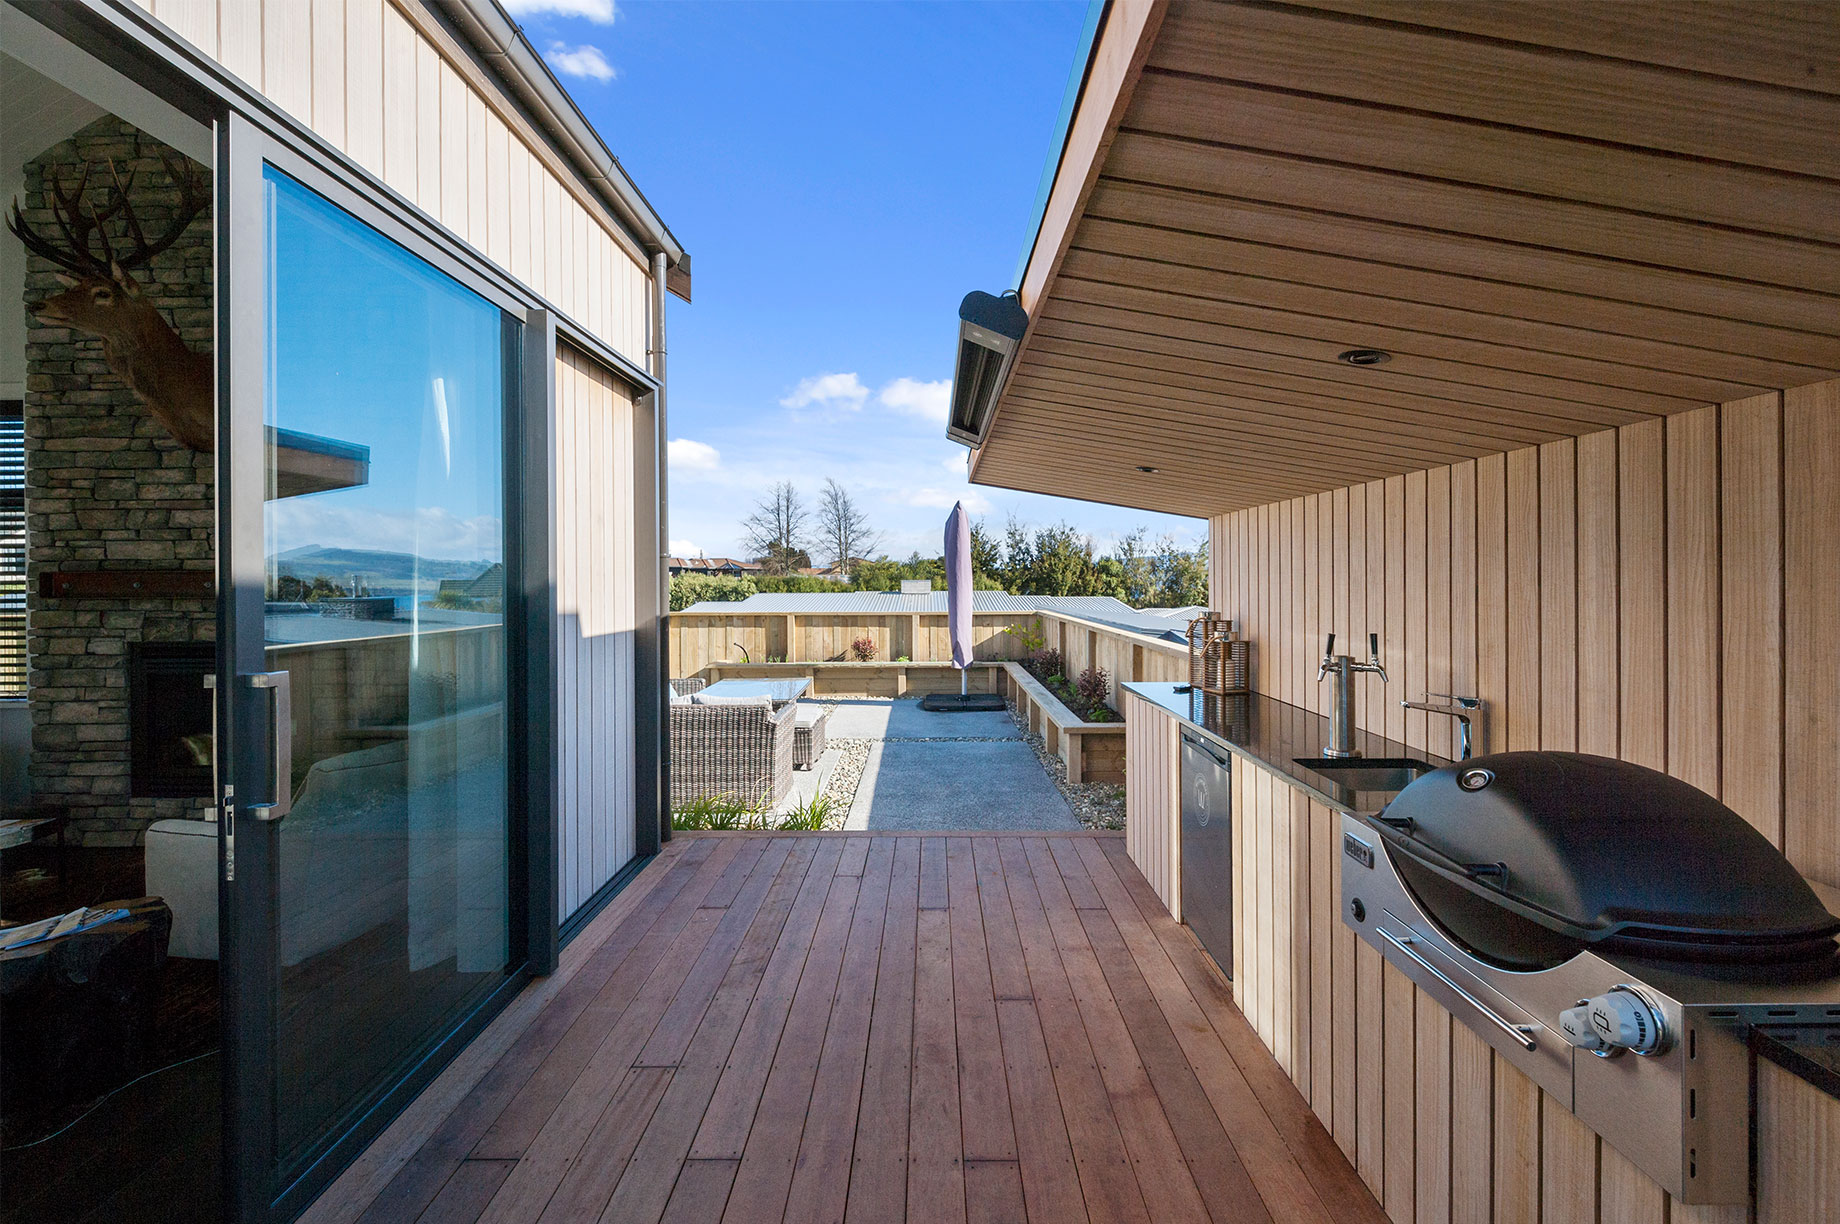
(842,174)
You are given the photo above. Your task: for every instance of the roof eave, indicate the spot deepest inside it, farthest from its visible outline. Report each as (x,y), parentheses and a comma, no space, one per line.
(502,47)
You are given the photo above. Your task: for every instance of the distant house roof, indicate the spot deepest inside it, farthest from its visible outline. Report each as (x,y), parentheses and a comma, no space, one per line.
(710,564)
(490,584)
(1102,609)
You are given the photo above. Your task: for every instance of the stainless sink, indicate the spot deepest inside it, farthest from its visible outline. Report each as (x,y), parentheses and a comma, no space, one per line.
(1368,773)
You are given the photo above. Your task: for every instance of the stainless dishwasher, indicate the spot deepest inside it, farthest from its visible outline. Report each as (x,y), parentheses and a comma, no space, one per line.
(1207,846)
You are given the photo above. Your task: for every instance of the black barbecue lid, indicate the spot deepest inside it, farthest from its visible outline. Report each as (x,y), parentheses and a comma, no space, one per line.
(1605,851)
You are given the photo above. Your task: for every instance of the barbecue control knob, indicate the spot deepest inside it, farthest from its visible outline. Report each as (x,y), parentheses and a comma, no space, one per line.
(1575,1027)
(1625,1020)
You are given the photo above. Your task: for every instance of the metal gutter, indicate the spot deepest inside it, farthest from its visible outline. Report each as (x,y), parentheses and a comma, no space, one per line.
(1070,102)
(503,48)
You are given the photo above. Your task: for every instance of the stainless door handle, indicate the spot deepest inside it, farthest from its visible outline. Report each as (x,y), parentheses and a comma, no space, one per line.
(281,750)
(1520,1033)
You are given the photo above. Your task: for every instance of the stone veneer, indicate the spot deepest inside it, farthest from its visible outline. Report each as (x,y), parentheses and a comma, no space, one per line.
(108,487)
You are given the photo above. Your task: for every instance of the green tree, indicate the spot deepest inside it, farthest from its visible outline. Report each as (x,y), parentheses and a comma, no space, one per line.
(1181,576)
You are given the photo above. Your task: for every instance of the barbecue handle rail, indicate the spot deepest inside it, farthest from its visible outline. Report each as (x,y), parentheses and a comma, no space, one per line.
(1520,1033)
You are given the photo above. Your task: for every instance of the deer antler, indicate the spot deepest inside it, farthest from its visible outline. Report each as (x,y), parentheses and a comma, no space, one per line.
(192,200)
(79,223)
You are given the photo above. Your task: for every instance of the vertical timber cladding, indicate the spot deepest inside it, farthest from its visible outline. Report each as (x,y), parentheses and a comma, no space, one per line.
(595,619)
(1664,593)
(384,82)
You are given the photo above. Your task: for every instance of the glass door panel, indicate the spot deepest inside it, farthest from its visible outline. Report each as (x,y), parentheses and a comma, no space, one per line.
(384,635)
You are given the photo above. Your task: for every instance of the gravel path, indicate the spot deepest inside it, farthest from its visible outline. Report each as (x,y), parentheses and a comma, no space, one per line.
(1099,805)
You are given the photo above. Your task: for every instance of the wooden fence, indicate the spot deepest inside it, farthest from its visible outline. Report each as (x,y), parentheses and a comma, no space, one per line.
(705,640)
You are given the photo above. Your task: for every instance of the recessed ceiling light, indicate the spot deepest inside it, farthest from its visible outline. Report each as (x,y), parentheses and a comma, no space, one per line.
(1147,470)
(1364,357)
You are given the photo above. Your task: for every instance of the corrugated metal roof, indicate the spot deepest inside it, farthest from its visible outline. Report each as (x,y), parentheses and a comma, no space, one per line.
(1101,608)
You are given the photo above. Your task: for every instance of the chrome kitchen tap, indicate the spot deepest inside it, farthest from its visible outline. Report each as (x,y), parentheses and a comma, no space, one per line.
(1343,667)
(1459,708)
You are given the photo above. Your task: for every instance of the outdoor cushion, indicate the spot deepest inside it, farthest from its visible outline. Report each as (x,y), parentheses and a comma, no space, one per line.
(808,715)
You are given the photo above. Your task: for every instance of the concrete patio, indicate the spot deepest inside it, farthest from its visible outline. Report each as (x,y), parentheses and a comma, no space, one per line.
(928,771)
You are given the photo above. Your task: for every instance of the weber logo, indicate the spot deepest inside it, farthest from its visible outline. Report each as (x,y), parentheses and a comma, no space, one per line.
(1357,850)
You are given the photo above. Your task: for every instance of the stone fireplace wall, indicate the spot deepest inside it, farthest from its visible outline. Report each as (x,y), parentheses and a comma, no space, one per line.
(107,488)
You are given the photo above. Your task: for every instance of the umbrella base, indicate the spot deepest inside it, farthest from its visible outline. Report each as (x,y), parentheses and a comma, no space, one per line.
(962,703)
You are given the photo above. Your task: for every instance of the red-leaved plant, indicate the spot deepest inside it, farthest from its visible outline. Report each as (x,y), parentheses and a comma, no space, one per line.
(863,649)
(1093,688)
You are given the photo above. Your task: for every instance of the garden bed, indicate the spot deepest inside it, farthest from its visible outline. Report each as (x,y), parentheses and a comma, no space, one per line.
(1090,751)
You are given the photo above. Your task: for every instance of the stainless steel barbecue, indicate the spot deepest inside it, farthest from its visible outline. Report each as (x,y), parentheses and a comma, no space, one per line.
(1612,931)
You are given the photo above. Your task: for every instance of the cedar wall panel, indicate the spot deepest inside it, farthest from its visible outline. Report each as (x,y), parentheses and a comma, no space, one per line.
(379,80)
(1667,592)
(595,618)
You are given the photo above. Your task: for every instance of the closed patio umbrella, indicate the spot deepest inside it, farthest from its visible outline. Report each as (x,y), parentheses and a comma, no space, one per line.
(959,583)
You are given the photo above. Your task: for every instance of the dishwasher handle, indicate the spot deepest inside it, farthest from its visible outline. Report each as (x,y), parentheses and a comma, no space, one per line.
(1224,760)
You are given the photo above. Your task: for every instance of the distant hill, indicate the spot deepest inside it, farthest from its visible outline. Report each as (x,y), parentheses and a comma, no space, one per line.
(378,569)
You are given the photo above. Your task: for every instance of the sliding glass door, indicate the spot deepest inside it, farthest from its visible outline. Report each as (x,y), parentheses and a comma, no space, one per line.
(373,912)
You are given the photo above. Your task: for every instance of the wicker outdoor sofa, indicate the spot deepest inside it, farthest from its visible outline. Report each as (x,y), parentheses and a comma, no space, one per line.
(739,752)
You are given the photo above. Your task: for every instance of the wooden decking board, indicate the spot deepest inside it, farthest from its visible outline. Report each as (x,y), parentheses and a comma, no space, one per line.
(1196,1135)
(419,1178)
(1050,1181)
(1073,875)
(933,873)
(983,1095)
(724,1130)
(1106,1177)
(602,1159)
(649,1180)
(1009,976)
(765,1176)
(700,1192)
(1151,1143)
(768,1058)
(607,1082)
(821,1176)
(935,1154)
(1261,1151)
(1309,1146)
(511,1131)
(467,1192)
(878,1165)
(993,1192)
(681,1019)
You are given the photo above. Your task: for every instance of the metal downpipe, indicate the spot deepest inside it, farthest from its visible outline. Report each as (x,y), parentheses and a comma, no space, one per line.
(660,268)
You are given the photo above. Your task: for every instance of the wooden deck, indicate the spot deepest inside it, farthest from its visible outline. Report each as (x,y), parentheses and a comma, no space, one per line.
(831,1027)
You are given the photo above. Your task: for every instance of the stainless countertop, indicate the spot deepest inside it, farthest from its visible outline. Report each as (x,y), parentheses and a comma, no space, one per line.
(1270,733)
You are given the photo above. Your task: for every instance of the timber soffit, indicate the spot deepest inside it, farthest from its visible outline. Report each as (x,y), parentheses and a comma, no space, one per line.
(501,45)
(1554,224)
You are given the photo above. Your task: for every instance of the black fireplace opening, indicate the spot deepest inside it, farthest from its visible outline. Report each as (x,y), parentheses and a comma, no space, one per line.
(170,716)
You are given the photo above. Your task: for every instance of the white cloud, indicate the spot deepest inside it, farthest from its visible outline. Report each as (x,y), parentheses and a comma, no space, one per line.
(931,400)
(957,465)
(693,456)
(943,499)
(684,548)
(583,61)
(828,390)
(600,12)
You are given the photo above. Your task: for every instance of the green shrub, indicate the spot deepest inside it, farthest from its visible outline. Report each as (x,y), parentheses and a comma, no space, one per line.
(721,815)
(717,813)
(687,589)
(814,814)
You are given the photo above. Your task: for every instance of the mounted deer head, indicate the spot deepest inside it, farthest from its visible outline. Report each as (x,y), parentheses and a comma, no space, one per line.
(101,298)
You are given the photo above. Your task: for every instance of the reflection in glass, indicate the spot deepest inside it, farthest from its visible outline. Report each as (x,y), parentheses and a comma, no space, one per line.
(385,547)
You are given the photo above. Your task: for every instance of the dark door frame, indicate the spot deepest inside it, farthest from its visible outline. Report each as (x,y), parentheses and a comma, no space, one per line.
(251,130)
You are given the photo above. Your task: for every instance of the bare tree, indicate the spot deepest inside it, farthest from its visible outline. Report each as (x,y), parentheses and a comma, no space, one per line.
(777,533)
(843,529)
